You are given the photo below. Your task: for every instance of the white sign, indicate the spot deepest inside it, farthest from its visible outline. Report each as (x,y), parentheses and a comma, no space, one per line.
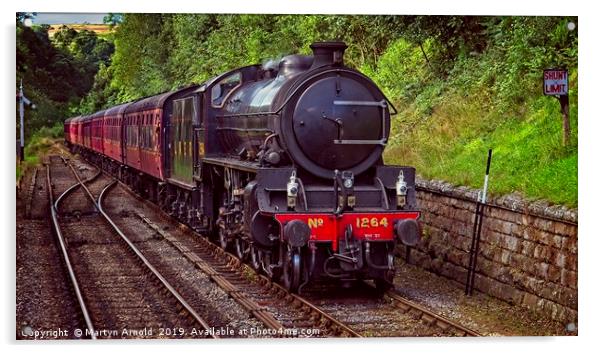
(555,82)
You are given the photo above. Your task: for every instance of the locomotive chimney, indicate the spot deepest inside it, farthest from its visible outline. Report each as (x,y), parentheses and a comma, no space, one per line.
(328,53)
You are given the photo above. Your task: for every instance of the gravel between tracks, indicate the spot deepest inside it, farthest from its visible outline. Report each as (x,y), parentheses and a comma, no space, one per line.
(45,302)
(123,298)
(197,288)
(487,315)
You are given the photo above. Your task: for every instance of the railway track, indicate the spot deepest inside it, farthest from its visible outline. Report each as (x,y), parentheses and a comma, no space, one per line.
(198,249)
(430,317)
(377,315)
(373,314)
(282,314)
(281,311)
(120,293)
(45,299)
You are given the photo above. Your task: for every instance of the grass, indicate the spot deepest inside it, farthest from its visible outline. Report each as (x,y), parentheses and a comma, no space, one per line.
(451,144)
(29,162)
(37,146)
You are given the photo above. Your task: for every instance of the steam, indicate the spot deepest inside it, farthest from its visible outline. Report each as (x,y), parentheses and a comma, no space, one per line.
(272,64)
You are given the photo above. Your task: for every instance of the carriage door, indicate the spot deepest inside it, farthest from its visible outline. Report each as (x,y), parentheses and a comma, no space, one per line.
(181,156)
(198,125)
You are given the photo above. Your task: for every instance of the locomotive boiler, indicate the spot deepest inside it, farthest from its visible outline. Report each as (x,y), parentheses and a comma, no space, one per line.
(282,165)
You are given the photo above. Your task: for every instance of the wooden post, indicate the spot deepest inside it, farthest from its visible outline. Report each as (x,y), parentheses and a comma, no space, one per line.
(566,120)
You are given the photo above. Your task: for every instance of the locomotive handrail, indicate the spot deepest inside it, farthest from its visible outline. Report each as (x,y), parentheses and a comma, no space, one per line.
(382,141)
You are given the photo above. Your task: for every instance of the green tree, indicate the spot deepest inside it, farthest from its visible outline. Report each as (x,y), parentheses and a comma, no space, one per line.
(113,19)
(56,73)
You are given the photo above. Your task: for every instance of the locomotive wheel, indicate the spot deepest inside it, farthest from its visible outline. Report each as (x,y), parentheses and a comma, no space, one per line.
(242,248)
(223,238)
(385,281)
(255,258)
(291,276)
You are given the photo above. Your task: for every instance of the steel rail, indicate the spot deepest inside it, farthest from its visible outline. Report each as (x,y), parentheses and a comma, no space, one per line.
(158,275)
(342,326)
(72,188)
(404,304)
(428,315)
(164,282)
(232,290)
(72,276)
(228,287)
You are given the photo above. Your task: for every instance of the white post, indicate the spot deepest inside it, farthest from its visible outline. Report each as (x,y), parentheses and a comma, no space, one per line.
(21,113)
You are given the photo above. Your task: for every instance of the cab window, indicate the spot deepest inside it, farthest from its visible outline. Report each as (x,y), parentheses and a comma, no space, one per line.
(222,89)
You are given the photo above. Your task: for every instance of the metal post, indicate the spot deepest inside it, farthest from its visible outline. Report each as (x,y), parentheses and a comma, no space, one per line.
(476,232)
(21,113)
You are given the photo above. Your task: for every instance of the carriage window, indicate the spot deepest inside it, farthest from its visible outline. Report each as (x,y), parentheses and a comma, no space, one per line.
(142,130)
(130,131)
(196,116)
(148,143)
(221,90)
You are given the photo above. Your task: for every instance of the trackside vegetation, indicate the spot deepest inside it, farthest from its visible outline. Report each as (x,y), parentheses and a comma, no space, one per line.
(38,145)
(461,84)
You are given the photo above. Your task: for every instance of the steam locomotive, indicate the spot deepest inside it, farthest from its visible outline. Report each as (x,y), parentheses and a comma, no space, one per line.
(280,165)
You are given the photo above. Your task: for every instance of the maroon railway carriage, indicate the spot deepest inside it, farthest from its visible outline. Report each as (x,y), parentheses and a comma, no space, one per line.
(96,131)
(146,133)
(68,130)
(87,131)
(78,130)
(141,129)
(112,132)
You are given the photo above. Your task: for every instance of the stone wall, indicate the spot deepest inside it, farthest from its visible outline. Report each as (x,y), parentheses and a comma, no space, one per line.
(528,250)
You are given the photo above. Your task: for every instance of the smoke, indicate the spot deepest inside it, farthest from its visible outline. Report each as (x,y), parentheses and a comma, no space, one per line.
(272,64)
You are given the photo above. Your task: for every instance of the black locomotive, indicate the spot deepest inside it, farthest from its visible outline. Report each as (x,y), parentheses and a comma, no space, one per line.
(282,165)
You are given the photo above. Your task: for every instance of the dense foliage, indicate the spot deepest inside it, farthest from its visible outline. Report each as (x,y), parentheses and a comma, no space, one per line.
(488,98)
(56,73)
(462,84)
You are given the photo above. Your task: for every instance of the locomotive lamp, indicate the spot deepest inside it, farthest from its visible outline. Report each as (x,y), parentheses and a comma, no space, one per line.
(292,188)
(401,189)
(348,180)
(347,177)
